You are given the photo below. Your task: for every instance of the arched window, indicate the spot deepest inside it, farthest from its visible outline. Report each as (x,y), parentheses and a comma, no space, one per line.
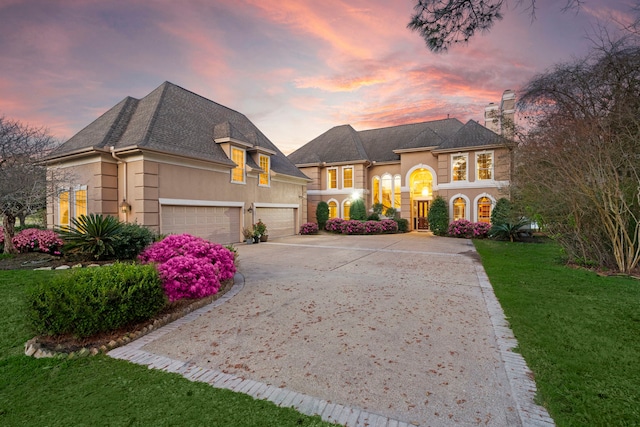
(376,190)
(333,209)
(346,209)
(387,183)
(459,208)
(484,209)
(397,188)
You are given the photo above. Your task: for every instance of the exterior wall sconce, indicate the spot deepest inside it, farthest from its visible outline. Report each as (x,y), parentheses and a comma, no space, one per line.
(124,206)
(250,210)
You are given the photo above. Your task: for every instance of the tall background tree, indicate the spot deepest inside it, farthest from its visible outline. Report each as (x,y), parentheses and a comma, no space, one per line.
(442,23)
(23,180)
(578,165)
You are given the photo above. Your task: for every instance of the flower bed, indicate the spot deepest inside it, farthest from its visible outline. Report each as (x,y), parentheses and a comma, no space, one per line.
(189,266)
(309,228)
(468,230)
(35,240)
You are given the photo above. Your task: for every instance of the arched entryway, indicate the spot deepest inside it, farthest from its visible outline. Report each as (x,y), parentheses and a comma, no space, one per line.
(421,193)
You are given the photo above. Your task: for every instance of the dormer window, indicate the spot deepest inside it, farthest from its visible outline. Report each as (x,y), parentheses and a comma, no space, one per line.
(238,157)
(265,165)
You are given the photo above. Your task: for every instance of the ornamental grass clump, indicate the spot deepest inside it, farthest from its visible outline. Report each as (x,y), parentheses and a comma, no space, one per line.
(189,266)
(36,240)
(309,228)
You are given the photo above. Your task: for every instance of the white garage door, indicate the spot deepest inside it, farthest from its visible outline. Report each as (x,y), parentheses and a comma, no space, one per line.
(217,224)
(280,222)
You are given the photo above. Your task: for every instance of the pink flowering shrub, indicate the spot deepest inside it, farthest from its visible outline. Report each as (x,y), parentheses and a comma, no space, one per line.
(36,240)
(189,266)
(309,228)
(352,226)
(372,227)
(334,225)
(468,230)
(389,226)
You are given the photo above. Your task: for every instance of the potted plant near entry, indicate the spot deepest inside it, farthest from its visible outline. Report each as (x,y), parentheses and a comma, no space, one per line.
(247,233)
(261,228)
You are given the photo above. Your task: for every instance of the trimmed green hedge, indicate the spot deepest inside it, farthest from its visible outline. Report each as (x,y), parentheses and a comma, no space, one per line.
(92,300)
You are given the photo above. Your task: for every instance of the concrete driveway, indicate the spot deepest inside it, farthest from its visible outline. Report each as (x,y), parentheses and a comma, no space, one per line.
(364,330)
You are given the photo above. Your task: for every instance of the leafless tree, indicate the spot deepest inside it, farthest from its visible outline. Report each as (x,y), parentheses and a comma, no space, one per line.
(23,180)
(579,163)
(442,23)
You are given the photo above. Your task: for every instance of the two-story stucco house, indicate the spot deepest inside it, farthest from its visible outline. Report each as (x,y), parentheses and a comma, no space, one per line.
(178,162)
(405,167)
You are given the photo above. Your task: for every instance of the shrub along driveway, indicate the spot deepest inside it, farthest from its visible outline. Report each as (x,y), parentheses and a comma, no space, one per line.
(396,325)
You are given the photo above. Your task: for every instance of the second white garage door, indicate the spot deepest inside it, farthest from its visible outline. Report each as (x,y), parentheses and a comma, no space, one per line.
(217,224)
(280,222)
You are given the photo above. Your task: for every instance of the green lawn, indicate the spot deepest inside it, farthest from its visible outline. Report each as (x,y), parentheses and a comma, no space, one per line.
(579,332)
(104,391)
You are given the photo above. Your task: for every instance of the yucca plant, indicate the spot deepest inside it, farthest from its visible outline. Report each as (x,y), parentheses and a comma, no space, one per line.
(92,236)
(507,230)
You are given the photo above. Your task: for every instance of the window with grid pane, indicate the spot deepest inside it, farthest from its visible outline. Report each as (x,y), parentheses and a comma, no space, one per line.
(332,178)
(333,210)
(237,156)
(80,202)
(264,165)
(484,164)
(347,177)
(63,204)
(484,210)
(459,168)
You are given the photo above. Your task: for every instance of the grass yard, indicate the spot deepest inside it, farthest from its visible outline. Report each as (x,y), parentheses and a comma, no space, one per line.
(104,391)
(579,332)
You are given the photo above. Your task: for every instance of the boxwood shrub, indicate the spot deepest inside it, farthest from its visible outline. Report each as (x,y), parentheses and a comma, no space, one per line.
(92,300)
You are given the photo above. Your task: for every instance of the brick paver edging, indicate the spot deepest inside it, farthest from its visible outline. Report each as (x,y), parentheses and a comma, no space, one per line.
(523,388)
(308,405)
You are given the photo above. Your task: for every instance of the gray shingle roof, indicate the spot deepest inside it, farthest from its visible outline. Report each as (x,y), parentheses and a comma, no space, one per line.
(343,143)
(174,120)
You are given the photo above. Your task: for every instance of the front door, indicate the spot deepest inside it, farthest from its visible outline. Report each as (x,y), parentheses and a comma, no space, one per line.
(421,221)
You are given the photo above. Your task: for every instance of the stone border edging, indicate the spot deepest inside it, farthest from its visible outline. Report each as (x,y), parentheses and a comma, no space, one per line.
(523,387)
(35,349)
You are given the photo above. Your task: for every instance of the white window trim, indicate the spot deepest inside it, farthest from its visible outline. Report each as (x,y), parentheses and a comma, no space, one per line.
(379,189)
(475,204)
(244,167)
(467,205)
(338,207)
(466,156)
(268,172)
(329,180)
(353,183)
(493,160)
(61,190)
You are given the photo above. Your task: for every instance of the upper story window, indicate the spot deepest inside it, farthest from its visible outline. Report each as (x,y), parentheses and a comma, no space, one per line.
(265,164)
(347,177)
(332,178)
(238,157)
(459,167)
(484,165)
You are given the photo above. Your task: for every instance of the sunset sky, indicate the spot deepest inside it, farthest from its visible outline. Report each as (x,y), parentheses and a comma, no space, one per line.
(294,67)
